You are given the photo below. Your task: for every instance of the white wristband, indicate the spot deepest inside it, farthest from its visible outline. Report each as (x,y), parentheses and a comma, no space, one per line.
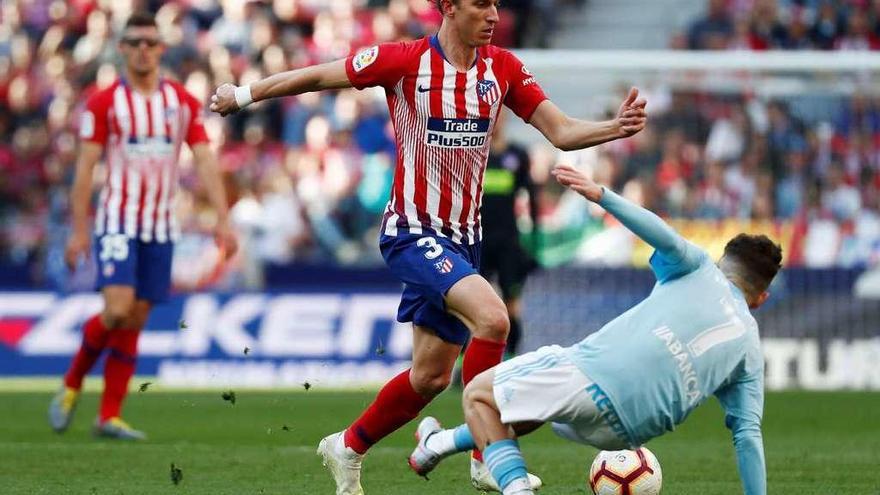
(243,96)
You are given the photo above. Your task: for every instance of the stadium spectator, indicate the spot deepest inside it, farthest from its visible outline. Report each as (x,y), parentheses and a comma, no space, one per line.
(712,30)
(723,157)
(786,25)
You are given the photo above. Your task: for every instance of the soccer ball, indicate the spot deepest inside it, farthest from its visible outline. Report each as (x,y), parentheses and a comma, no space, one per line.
(625,472)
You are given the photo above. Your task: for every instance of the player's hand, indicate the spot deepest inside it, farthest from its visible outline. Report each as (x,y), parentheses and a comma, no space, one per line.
(632,117)
(578,182)
(226,240)
(78,247)
(223,100)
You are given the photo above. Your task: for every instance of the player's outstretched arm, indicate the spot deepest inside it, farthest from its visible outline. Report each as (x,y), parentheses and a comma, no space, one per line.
(567,133)
(643,223)
(743,403)
(229,98)
(750,460)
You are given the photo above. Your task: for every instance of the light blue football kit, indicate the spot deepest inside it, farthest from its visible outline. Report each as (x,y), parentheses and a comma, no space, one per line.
(645,371)
(692,337)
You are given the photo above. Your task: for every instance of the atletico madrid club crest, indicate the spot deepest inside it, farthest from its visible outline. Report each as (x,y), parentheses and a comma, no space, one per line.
(488,91)
(444,265)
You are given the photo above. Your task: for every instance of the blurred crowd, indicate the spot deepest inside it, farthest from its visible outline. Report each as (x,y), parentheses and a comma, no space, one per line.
(784,25)
(307,176)
(766,159)
(738,158)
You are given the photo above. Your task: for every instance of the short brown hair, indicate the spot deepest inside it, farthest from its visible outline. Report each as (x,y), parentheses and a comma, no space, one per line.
(758,257)
(141,19)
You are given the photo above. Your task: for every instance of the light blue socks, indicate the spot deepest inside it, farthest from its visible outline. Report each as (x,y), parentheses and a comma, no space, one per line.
(506,463)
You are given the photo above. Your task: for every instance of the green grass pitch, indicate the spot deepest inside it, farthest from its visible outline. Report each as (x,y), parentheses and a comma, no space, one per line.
(816,443)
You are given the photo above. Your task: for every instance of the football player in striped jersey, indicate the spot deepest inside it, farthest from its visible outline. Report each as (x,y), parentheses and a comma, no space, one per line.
(444,93)
(139,125)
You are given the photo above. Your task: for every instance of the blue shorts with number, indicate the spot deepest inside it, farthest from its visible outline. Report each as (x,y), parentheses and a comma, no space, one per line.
(429,265)
(146,266)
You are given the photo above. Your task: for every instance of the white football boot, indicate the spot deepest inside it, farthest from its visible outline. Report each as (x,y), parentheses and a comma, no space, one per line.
(423,460)
(482,479)
(343,462)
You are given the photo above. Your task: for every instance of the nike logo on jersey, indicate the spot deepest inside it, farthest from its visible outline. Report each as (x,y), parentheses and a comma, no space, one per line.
(422,89)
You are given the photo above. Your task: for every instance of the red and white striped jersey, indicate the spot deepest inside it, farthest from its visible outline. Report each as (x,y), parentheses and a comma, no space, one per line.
(443,120)
(142,136)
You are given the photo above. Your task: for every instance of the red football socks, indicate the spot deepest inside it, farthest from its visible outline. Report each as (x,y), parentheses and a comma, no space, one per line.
(395,405)
(398,403)
(481,354)
(118,370)
(93,342)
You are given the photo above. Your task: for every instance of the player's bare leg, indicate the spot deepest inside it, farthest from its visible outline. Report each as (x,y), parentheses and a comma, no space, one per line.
(433,360)
(503,458)
(481,412)
(119,302)
(474,301)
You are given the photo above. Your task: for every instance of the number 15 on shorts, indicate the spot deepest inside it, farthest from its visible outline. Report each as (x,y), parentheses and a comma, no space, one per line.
(114,247)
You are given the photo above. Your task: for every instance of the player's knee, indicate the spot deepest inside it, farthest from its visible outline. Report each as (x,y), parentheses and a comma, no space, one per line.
(476,391)
(429,384)
(468,396)
(119,305)
(493,323)
(117,315)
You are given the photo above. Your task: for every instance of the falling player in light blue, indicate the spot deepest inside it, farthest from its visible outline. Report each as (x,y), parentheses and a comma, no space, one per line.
(642,373)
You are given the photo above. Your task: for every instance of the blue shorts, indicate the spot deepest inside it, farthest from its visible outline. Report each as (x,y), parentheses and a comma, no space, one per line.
(146,266)
(429,265)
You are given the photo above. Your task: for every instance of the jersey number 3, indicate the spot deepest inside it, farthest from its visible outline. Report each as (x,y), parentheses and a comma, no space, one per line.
(434,249)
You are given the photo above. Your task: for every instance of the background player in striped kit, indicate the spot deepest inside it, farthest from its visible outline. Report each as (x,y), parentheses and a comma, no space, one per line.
(139,123)
(444,93)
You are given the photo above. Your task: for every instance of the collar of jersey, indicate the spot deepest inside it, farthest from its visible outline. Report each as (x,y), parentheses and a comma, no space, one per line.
(123,82)
(435,42)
